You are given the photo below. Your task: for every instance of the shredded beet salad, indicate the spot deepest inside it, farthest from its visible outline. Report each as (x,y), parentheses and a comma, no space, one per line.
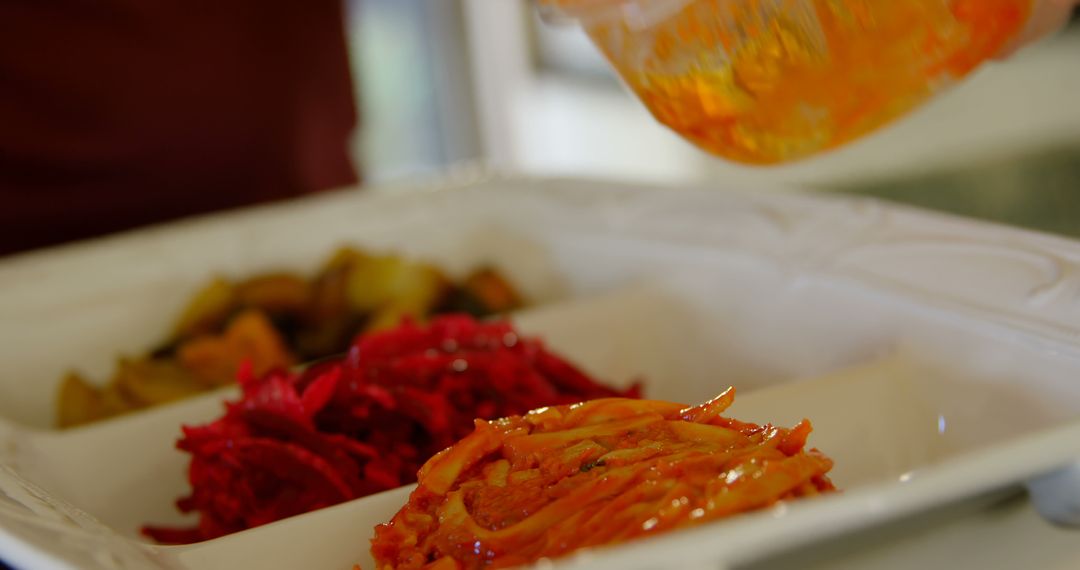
(296,442)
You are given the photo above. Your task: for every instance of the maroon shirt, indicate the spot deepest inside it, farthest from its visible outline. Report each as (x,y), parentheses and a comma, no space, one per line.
(119,113)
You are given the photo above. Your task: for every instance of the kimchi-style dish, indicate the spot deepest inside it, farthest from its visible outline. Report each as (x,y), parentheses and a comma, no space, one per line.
(558,479)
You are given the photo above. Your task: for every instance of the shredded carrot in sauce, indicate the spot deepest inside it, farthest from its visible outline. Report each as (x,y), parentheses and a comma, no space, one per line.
(603,472)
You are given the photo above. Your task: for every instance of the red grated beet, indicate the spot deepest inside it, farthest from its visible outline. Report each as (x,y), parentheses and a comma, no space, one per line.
(296,442)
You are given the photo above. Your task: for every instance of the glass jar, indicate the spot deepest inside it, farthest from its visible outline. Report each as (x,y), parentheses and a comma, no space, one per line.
(769,81)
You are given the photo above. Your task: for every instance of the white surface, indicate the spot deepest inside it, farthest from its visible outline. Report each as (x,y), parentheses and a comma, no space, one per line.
(943,354)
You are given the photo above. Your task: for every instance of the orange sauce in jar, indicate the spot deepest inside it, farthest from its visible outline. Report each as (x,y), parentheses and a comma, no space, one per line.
(768,81)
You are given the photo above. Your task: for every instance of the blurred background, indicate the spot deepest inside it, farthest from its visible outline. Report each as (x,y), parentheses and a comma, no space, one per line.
(448,82)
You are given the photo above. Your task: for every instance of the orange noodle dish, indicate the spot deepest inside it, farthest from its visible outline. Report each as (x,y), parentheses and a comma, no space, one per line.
(561,478)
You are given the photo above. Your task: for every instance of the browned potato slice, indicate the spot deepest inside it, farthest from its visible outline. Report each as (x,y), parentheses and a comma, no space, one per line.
(275,293)
(492,291)
(250,336)
(153,382)
(210,359)
(376,282)
(329,298)
(78,402)
(81,403)
(344,257)
(253,337)
(391,316)
(114,402)
(331,335)
(208,310)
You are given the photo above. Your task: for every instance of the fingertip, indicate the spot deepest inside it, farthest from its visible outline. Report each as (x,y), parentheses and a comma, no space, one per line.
(1047,18)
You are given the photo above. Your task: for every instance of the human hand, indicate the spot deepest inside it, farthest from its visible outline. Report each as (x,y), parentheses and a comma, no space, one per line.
(1047,17)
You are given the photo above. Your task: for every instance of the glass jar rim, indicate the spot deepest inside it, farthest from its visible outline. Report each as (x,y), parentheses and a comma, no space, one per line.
(636,14)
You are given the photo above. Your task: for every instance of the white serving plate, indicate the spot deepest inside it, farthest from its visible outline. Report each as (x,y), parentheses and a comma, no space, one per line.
(935,356)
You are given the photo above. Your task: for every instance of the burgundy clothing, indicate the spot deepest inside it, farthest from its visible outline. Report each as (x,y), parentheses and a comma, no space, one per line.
(119,113)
